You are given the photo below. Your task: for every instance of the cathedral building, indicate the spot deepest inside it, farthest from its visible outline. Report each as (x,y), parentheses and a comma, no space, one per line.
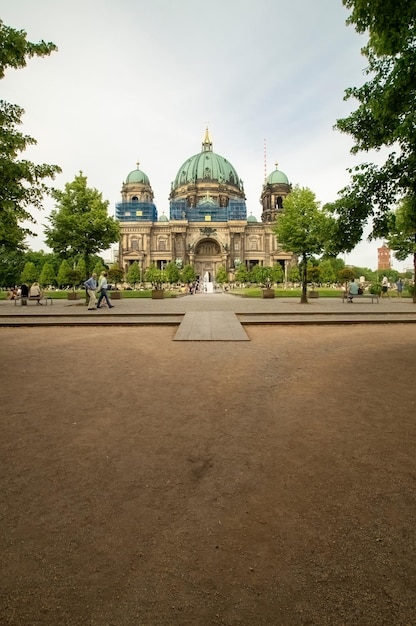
(207,226)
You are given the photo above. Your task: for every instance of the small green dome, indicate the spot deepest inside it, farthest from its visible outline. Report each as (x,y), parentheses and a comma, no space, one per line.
(251,218)
(277,177)
(137,176)
(163,218)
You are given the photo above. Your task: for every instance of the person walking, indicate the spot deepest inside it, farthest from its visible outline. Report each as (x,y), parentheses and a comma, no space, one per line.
(102,288)
(399,286)
(384,287)
(91,285)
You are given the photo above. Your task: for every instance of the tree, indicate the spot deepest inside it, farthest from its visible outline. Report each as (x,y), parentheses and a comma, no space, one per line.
(326,271)
(155,276)
(133,274)
(22,185)
(74,278)
(188,274)
(80,224)
(47,275)
(82,268)
(303,228)
(294,274)
(29,273)
(11,266)
(277,273)
(63,274)
(261,275)
(313,273)
(402,238)
(346,275)
(115,274)
(385,118)
(99,267)
(242,274)
(172,273)
(221,276)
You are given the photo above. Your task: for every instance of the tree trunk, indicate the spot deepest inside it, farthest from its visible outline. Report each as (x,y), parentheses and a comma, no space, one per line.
(304,296)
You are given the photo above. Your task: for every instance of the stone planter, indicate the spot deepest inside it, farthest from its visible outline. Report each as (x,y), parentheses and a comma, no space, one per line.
(115,295)
(72,295)
(267,293)
(313,294)
(158,294)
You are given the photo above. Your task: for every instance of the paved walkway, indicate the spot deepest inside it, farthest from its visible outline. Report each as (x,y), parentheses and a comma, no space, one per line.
(172,311)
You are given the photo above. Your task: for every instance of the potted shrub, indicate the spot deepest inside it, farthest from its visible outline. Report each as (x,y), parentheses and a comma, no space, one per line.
(115,275)
(155,276)
(74,278)
(263,276)
(313,274)
(267,292)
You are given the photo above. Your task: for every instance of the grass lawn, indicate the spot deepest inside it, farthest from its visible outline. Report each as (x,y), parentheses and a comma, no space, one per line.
(248,292)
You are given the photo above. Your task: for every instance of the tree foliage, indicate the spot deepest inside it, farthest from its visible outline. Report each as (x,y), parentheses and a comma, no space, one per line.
(80,224)
(385,118)
(11,266)
(172,272)
(294,273)
(133,274)
(155,276)
(115,274)
(261,275)
(29,273)
(346,275)
(277,273)
(242,274)
(326,271)
(221,275)
(47,275)
(402,233)
(188,274)
(63,274)
(22,182)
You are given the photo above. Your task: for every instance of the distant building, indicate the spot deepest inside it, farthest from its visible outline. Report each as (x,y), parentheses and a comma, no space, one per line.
(384,258)
(208,226)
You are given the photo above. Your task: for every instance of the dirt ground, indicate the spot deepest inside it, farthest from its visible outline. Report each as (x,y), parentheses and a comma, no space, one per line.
(152,482)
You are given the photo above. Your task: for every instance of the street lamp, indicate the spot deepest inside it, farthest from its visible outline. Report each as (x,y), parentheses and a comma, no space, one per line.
(141,268)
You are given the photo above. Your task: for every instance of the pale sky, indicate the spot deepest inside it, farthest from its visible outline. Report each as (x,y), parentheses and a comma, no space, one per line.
(139,81)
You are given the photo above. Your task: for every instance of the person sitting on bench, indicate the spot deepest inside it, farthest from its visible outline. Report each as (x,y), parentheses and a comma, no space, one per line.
(353,290)
(35,292)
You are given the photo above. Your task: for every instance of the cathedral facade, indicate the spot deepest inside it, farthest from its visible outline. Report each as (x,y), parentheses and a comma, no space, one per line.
(207,226)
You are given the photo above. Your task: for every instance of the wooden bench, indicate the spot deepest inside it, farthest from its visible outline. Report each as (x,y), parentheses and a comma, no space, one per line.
(38,299)
(373,296)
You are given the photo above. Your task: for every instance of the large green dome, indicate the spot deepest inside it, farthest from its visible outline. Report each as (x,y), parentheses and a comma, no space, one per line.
(137,176)
(209,166)
(277,177)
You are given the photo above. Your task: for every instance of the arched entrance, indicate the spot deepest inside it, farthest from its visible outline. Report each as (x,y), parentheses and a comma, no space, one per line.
(207,259)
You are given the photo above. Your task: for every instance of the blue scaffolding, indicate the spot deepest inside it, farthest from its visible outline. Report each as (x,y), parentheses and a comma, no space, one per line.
(208,212)
(136,212)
